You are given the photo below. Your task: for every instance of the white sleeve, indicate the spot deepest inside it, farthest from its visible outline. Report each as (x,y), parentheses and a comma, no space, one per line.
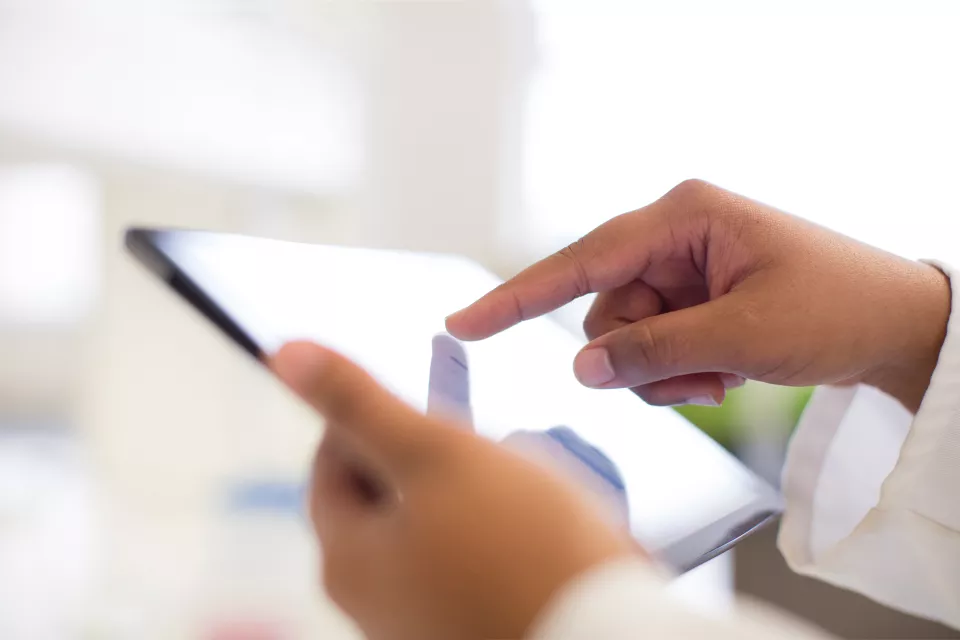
(627,599)
(873,493)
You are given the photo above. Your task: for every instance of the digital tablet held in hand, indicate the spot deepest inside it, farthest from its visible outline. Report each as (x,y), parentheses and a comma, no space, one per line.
(686,498)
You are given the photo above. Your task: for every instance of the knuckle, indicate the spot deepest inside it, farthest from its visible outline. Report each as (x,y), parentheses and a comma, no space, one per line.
(574,253)
(691,188)
(645,348)
(519,313)
(722,211)
(653,350)
(692,199)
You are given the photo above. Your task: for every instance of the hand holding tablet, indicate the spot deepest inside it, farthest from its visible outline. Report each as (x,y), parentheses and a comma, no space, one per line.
(428,530)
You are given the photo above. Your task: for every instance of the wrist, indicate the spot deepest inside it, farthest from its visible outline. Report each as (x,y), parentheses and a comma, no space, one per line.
(905,374)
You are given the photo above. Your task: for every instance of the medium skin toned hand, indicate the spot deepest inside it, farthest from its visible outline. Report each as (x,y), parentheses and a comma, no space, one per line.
(704,288)
(429,531)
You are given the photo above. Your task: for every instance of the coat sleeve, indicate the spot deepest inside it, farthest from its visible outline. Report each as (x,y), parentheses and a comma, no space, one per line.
(873,493)
(628,599)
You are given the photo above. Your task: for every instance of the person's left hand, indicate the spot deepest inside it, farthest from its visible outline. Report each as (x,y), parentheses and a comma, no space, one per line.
(429,531)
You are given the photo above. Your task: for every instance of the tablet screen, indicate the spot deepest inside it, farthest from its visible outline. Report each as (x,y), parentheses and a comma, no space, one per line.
(384,308)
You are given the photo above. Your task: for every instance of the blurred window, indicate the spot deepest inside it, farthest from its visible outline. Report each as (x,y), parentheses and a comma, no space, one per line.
(49,218)
(842,112)
(214,90)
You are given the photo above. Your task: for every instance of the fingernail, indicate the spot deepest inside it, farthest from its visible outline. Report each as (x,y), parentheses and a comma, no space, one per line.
(593,367)
(732,380)
(704,401)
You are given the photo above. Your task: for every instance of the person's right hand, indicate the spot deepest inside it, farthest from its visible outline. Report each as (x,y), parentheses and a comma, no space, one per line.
(703,288)
(429,531)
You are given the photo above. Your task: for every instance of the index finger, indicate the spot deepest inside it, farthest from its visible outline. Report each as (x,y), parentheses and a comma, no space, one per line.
(611,255)
(352,401)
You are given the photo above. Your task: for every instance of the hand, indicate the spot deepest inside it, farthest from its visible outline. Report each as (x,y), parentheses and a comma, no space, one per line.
(429,531)
(703,288)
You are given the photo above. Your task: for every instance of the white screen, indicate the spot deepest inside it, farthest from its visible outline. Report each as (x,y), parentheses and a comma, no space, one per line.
(383,308)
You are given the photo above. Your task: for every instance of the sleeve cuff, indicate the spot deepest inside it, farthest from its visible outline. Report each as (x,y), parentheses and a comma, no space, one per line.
(593,605)
(627,599)
(871,491)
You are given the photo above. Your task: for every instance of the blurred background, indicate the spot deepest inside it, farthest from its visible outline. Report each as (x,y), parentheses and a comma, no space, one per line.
(151,477)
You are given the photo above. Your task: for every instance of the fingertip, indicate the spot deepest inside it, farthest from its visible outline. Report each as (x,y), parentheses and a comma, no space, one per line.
(452,324)
(732,380)
(593,368)
(349,400)
(298,363)
(462,326)
(703,389)
(704,401)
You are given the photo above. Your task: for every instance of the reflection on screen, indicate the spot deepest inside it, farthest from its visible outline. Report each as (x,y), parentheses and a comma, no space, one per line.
(383,309)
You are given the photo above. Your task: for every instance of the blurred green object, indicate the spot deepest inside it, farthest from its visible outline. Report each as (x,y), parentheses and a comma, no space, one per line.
(725,424)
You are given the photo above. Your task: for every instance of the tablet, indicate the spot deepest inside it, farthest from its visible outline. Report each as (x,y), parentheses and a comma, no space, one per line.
(686,498)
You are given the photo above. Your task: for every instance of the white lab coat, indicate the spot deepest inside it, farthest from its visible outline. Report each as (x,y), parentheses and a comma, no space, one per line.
(872,504)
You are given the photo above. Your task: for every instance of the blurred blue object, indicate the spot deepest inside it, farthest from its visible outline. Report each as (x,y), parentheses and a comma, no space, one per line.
(589,455)
(267,495)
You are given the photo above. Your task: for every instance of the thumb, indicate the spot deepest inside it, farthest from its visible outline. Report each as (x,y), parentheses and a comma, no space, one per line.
(351,401)
(709,337)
